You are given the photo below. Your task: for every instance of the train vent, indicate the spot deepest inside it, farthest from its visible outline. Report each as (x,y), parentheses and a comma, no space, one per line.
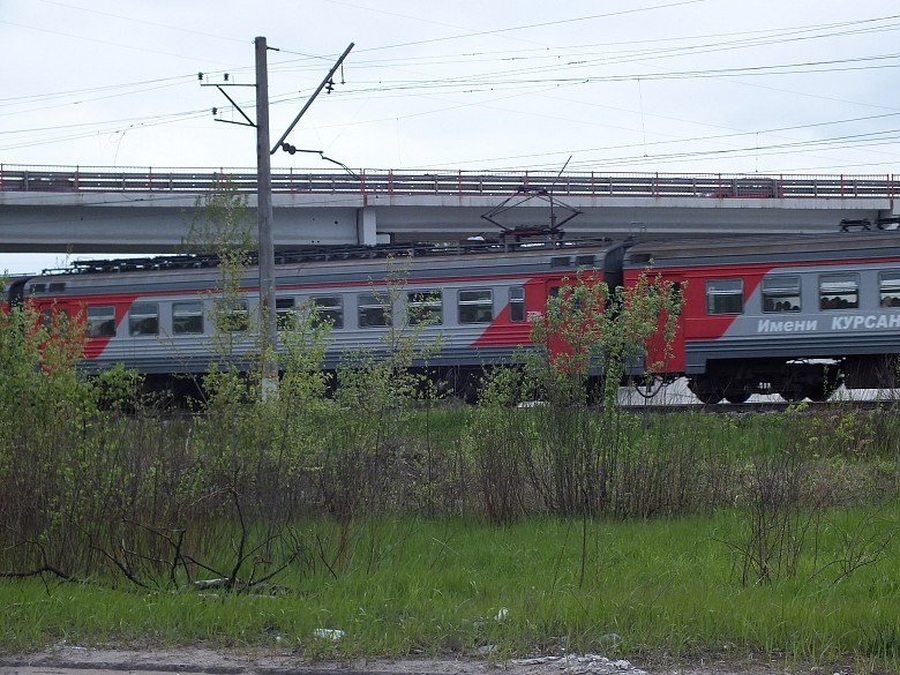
(560,261)
(585,260)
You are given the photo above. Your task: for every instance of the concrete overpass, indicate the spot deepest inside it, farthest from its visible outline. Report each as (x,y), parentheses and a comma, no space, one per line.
(150,211)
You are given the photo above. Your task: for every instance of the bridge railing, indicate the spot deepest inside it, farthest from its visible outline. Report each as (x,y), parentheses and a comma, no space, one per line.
(19,178)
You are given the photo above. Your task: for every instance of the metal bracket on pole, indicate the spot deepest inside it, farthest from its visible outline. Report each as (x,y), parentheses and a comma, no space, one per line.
(249,123)
(220,87)
(312,98)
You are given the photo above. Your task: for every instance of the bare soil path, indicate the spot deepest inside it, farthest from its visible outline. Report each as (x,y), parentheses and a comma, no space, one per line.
(70,660)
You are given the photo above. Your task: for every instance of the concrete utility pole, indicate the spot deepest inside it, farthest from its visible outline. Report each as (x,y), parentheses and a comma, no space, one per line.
(264,219)
(266,241)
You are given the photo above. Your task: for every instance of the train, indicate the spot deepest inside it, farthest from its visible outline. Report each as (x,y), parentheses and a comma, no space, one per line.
(797,316)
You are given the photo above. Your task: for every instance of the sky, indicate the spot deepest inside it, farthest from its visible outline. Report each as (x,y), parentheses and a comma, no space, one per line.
(685,86)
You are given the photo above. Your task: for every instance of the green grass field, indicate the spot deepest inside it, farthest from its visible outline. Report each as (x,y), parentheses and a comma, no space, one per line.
(412,586)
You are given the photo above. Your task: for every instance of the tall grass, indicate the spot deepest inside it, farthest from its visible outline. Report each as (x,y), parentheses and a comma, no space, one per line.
(407,586)
(133,507)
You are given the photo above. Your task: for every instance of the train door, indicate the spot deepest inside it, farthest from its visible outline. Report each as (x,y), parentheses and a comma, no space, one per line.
(556,344)
(567,347)
(673,359)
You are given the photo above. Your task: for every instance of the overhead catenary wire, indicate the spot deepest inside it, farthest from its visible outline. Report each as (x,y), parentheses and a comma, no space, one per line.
(783,35)
(531,74)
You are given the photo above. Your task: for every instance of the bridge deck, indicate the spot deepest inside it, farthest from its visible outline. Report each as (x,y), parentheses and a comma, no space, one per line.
(459,183)
(79,209)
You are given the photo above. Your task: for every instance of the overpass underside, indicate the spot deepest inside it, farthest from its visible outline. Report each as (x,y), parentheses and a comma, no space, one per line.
(154,229)
(78,211)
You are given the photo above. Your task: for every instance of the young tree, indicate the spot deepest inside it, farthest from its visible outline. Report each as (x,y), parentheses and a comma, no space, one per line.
(591,333)
(589,338)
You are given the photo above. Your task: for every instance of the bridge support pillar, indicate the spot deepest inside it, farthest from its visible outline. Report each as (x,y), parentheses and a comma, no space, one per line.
(366,233)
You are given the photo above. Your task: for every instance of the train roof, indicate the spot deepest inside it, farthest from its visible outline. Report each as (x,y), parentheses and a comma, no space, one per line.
(735,249)
(326,266)
(324,254)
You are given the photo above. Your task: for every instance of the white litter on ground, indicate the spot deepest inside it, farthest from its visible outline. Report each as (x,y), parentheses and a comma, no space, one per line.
(587,664)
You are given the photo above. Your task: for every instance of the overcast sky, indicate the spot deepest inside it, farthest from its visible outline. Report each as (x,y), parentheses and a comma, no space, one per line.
(693,86)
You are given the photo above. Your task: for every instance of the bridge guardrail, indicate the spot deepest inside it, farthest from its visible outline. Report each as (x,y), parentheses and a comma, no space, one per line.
(18,178)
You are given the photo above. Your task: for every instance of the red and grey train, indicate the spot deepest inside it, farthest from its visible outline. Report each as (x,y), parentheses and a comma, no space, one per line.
(472,302)
(795,316)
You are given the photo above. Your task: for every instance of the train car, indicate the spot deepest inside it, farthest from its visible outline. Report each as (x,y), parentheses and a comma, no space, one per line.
(796,316)
(154,315)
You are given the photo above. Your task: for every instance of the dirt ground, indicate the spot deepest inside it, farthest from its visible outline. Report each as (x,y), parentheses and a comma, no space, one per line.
(70,660)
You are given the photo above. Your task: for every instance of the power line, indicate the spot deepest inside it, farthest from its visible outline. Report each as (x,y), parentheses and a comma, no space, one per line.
(542,24)
(144,22)
(532,74)
(601,53)
(110,43)
(451,83)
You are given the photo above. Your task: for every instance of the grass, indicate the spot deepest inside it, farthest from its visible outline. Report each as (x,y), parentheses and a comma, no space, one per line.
(411,586)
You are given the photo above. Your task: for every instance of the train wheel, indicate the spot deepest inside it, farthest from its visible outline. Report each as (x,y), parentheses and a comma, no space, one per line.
(706,390)
(709,397)
(737,396)
(822,391)
(816,393)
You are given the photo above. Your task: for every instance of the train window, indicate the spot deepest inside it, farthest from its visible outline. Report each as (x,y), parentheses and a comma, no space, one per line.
(329,309)
(889,287)
(187,318)
(101,321)
(283,312)
(725,296)
(56,321)
(476,306)
(424,307)
(781,293)
(517,303)
(839,291)
(143,319)
(232,315)
(374,311)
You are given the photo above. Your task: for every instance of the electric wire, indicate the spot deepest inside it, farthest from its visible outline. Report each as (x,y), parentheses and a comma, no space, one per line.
(526,80)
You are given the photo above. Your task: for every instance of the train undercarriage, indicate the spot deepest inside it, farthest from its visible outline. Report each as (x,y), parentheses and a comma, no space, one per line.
(795,380)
